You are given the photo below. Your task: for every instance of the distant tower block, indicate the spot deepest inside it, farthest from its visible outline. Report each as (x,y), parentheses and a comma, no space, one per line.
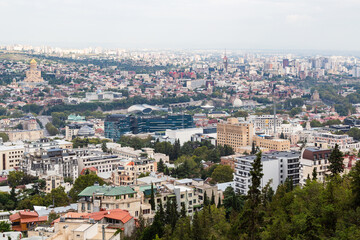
(225,60)
(33,75)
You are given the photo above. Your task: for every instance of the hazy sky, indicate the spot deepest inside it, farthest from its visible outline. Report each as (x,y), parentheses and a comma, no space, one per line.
(213,24)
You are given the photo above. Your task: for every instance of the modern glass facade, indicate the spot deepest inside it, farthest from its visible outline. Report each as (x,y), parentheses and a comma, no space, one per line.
(116,125)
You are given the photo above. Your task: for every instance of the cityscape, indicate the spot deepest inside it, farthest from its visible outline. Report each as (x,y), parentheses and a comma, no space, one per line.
(220,140)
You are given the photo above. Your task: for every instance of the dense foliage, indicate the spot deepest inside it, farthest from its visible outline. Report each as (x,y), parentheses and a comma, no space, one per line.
(315,211)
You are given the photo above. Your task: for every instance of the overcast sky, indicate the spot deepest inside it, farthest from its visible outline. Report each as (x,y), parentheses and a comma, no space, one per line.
(205,24)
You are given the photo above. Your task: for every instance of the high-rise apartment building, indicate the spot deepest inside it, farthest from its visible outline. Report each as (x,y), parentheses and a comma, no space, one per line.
(277,167)
(235,134)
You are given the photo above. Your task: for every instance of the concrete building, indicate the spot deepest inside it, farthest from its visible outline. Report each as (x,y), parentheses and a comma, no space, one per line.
(57,161)
(102,96)
(55,181)
(128,171)
(79,129)
(25,135)
(82,229)
(235,134)
(266,143)
(10,156)
(45,144)
(96,198)
(277,167)
(314,158)
(263,122)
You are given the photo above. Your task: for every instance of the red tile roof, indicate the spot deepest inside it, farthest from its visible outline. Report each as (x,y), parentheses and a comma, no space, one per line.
(34,219)
(117,214)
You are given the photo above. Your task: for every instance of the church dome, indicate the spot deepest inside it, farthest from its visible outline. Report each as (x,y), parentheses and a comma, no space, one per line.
(86,131)
(237,103)
(33,61)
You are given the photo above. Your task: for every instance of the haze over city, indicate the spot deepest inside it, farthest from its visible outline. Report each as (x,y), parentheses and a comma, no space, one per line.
(179,120)
(198,24)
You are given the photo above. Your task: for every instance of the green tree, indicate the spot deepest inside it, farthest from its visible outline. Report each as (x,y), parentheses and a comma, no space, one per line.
(240,113)
(82,182)
(5,226)
(354,132)
(161,166)
(314,174)
(336,161)
(249,222)
(58,197)
(51,129)
(222,173)
(152,197)
(355,183)
(15,178)
(104,147)
(4,136)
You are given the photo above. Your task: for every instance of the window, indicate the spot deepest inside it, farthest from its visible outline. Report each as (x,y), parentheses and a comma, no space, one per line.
(146,211)
(89,206)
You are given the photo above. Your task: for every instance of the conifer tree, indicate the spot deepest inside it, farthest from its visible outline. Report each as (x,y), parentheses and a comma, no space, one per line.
(152,198)
(219,202)
(206,199)
(355,183)
(183,210)
(314,174)
(336,161)
(253,148)
(161,166)
(249,222)
(212,198)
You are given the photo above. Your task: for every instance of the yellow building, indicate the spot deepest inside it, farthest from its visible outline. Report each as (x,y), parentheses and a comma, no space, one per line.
(235,134)
(25,135)
(267,144)
(10,156)
(33,75)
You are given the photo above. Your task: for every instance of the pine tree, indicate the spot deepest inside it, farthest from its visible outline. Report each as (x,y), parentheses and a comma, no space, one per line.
(161,166)
(197,230)
(336,161)
(13,196)
(253,148)
(250,220)
(314,174)
(161,211)
(355,183)
(282,136)
(183,210)
(212,198)
(174,215)
(104,147)
(206,199)
(152,198)
(219,202)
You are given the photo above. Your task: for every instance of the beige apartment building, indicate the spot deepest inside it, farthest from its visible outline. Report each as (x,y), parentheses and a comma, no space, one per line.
(235,134)
(25,135)
(10,156)
(267,144)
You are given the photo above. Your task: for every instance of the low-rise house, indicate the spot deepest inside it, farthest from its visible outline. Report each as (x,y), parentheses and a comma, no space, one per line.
(23,220)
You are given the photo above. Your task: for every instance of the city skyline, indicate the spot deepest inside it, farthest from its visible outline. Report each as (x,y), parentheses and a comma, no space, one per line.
(275,24)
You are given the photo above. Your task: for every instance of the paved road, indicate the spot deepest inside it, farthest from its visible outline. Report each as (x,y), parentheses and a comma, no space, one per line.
(44,120)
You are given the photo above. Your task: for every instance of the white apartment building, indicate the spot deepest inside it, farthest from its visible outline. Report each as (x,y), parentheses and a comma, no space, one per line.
(264,122)
(102,162)
(10,156)
(277,166)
